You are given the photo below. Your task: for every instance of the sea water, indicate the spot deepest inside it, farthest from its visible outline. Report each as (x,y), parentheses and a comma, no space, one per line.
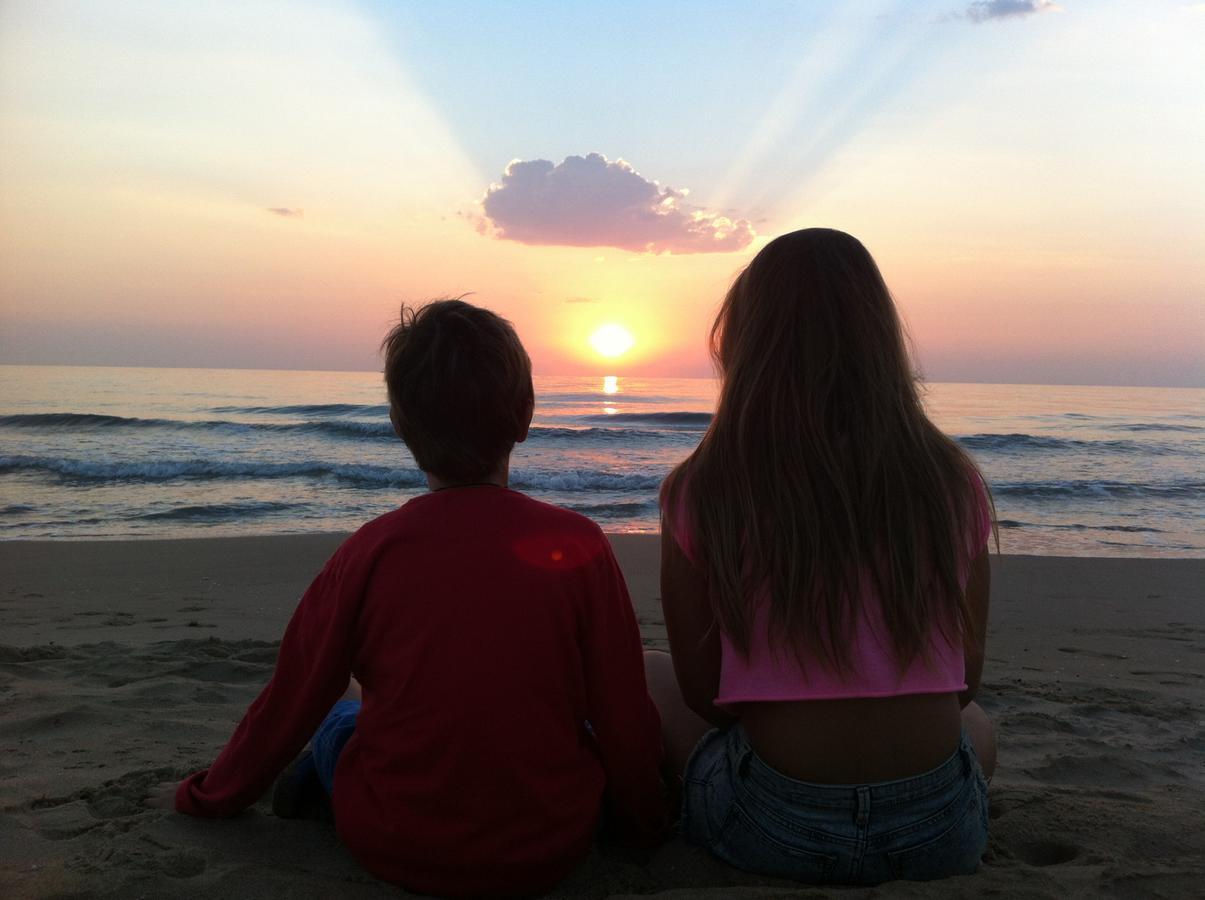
(127,453)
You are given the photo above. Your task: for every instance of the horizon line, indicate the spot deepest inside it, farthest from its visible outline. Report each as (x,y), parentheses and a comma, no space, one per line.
(600,374)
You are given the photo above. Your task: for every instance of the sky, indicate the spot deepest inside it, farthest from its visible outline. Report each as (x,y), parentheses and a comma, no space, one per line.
(261,185)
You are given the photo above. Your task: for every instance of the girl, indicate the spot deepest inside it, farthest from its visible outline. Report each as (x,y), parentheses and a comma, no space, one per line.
(825,588)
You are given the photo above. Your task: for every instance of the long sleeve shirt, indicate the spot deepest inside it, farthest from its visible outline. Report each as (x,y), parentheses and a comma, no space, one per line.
(504,697)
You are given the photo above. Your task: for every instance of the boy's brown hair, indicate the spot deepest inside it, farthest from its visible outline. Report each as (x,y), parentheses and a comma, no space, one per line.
(460,391)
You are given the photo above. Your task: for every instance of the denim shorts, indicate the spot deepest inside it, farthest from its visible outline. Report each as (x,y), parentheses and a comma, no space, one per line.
(757,819)
(327,742)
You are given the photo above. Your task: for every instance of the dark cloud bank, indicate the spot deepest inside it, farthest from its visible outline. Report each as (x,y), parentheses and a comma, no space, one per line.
(589,201)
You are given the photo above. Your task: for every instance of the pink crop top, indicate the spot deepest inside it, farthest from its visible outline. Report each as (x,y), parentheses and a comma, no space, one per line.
(770,675)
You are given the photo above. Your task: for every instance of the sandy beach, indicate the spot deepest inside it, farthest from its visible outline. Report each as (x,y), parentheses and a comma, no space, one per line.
(126,663)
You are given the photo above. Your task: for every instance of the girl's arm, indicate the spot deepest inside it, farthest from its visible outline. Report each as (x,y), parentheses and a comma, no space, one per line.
(978,591)
(694,636)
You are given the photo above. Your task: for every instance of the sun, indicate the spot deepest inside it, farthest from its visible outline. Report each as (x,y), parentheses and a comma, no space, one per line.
(612,341)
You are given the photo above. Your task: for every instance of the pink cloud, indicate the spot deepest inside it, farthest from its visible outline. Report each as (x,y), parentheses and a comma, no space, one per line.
(589,201)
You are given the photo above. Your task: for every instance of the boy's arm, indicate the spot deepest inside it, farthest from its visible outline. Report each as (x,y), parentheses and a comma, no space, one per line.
(626,724)
(312,671)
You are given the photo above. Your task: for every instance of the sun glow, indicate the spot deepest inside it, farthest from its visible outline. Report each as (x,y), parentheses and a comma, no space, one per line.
(612,341)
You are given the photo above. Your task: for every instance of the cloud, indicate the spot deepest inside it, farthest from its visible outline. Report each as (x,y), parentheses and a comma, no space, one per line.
(589,201)
(984,10)
(284,212)
(580,300)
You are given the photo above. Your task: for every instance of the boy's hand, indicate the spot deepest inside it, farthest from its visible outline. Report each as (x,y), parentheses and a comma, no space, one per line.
(161,796)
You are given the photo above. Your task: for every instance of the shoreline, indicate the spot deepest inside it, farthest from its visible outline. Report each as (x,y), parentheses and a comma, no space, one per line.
(124,662)
(1150,553)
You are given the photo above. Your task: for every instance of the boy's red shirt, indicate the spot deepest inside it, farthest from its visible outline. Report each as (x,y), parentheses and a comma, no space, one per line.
(487,629)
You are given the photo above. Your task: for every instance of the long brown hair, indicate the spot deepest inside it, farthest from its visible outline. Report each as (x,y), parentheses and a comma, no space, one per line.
(821,477)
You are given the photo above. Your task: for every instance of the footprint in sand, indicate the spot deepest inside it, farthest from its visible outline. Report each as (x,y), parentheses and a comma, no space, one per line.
(59,818)
(1046,853)
(1094,654)
(173,862)
(60,822)
(1156,673)
(181,863)
(116,807)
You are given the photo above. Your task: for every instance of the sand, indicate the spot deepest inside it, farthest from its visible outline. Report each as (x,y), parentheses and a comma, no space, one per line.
(126,663)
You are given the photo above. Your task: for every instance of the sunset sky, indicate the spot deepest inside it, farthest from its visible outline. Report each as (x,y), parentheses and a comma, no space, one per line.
(260,185)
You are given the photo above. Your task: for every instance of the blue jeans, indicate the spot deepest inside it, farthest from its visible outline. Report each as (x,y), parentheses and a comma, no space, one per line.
(327,742)
(755,818)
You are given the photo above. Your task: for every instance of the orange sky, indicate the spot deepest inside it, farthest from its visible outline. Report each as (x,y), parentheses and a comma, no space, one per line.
(232,185)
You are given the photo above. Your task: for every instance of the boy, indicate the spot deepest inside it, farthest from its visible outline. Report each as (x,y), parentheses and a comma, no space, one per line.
(504,696)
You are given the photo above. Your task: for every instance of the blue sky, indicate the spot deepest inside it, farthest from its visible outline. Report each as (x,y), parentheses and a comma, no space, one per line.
(684,88)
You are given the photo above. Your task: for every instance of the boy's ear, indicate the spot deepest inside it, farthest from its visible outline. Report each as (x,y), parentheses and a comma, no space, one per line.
(528,412)
(397,429)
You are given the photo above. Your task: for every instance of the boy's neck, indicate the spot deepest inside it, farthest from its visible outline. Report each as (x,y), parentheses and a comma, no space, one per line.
(500,477)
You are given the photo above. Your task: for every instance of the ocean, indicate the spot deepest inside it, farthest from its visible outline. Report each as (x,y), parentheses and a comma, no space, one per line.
(90,453)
